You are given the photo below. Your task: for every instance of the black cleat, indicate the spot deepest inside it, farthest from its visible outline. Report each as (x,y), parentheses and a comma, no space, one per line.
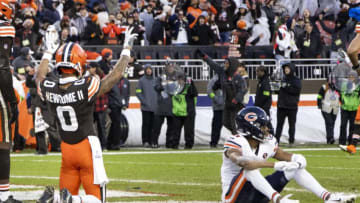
(65,196)
(12,200)
(47,196)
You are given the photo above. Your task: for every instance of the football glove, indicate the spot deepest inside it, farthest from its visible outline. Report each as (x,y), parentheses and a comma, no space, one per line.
(300,159)
(129,38)
(51,41)
(286,199)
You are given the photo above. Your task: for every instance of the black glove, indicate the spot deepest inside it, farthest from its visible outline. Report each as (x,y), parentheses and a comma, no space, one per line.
(14,112)
(356,67)
(199,54)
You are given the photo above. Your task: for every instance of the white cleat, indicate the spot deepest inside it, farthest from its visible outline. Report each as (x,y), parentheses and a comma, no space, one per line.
(340,197)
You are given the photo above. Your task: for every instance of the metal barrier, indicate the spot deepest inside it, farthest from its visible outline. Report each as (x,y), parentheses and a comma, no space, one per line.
(306,69)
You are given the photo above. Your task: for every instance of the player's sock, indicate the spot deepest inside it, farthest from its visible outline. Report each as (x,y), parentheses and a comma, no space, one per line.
(4,192)
(85,198)
(307,181)
(56,198)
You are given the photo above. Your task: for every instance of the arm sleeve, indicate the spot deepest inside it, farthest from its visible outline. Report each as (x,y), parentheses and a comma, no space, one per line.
(320,96)
(214,66)
(93,87)
(326,28)
(210,86)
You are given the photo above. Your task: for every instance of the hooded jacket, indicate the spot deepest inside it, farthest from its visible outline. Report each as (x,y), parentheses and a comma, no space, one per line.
(289,93)
(233,85)
(263,98)
(145,92)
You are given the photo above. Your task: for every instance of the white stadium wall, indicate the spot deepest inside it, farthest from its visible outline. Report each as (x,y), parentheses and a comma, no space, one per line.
(310,126)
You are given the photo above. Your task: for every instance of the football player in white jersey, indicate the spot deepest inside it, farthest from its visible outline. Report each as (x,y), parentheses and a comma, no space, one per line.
(248,151)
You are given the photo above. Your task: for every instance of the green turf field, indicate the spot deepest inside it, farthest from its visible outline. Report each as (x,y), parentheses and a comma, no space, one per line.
(161,175)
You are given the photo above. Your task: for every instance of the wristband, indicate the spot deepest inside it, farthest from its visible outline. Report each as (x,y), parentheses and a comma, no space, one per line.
(125,52)
(275,196)
(47,55)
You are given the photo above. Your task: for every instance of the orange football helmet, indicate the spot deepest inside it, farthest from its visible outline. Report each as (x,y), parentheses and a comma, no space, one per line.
(70,58)
(5,10)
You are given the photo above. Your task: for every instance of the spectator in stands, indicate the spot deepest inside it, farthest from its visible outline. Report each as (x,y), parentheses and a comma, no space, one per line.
(241,36)
(216,95)
(328,102)
(299,28)
(240,15)
(288,99)
(67,35)
(119,97)
(137,28)
(22,61)
(105,63)
(202,33)
(134,70)
(158,36)
(112,31)
(350,100)
(93,34)
(285,44)
(263,95)
(260,34)
(180,30)
(145,92)
(214,27)
(80,21)
(100,106)
(147,17)
(224,19)
(233,85)
(52,11)
(184,110)
(341,34)
(120,19)
(310,43)
(112,5)
(192,11)
(270,15)
(75,8)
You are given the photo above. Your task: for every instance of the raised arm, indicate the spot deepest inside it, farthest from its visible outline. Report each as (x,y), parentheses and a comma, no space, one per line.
(51,41)
(115,75)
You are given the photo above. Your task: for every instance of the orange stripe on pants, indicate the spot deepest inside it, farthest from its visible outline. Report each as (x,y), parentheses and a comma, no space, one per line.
(77,168)
(234,189)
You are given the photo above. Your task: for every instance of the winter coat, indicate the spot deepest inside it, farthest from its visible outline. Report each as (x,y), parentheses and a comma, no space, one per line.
(263,97)
(233,85)
(164,101)
(145,92)
(216,94)
(119,94)
(289,93)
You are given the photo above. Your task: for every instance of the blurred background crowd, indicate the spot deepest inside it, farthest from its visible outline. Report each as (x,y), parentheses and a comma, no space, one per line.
(293,29)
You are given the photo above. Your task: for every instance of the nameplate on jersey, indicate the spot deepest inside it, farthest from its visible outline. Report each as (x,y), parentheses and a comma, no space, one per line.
(68,98)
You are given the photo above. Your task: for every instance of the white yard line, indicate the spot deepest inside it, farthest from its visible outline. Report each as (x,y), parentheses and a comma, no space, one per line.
(174,152)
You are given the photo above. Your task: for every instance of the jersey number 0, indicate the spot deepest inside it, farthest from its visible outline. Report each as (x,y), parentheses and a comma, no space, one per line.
(67,118)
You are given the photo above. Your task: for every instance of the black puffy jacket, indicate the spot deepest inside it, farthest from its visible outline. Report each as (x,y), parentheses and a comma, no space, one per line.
(289,93)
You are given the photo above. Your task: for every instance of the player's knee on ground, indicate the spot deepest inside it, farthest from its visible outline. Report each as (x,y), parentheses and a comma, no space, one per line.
(4,164)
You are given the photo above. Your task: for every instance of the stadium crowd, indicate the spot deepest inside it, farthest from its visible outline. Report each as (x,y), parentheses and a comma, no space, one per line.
(296,29)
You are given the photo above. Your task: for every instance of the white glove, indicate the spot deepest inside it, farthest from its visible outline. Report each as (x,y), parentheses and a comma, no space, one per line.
(286,199)
(286,166)
(51,41)
(129,38)
(299,159)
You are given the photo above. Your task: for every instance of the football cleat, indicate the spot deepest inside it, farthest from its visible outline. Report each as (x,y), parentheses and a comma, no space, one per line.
(12,200)
(47,196)
(351,149)
(339,197)
(65,196)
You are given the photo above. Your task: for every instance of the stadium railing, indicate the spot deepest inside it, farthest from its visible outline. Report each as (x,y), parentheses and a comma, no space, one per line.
(306,69)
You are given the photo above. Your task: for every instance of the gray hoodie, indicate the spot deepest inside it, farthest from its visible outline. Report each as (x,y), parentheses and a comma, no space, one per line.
(215,93)
(146,93)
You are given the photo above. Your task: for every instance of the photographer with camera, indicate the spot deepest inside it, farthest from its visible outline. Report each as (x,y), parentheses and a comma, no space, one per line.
(112,31)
